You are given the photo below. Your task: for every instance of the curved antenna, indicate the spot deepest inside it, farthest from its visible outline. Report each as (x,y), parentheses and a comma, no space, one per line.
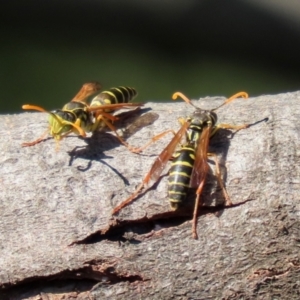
(34,107)
(184,98)
(38,108)
(235,96)
(187,100)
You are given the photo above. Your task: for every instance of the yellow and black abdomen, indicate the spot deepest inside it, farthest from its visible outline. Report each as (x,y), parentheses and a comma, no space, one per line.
(180,175)
(120,94)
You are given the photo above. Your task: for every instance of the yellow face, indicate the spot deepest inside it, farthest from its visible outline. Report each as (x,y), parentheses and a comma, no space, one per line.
(62,123)
(58,126)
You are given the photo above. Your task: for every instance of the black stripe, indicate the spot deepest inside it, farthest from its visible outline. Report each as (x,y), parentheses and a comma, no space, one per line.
(122,95)
(178,182)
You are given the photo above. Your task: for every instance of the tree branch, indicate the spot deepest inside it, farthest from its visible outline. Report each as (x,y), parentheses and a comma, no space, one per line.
(56,221)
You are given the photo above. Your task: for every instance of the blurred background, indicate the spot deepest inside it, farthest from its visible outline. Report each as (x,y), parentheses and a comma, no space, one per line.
(200,47)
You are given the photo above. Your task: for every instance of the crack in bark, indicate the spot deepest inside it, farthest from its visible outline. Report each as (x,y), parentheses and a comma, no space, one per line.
(93,273)
(131,231)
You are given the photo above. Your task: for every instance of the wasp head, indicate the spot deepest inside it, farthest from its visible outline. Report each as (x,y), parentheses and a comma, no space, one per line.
(61,123)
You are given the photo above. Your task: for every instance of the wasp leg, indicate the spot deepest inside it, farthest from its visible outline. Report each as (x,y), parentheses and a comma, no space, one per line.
(112,128)
(40,139)
(133,149)
(153,140)
(158,137)
(220,180)
(228,126)
(130,199)
(107,116)
(199,190)
(134,194)
(195,213)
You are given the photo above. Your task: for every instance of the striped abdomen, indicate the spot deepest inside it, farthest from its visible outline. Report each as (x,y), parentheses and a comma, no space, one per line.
(120,94)
(180,175)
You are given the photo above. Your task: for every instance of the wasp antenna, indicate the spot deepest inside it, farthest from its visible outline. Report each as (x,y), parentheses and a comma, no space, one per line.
(79,129)
(235,96)
(183,97)
(34,107)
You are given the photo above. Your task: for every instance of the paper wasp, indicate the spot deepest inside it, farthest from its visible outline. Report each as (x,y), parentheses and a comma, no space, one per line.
(189,166)
(79,117)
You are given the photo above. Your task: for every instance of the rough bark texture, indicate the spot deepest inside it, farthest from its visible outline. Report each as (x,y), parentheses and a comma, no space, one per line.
(59,240)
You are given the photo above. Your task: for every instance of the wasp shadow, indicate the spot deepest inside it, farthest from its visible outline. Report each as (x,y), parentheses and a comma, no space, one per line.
(91,154)
(101,141)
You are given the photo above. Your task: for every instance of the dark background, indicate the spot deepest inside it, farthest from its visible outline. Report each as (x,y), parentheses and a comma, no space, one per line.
(209,47)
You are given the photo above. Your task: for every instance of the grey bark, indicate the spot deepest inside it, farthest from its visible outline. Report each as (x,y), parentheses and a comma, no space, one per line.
(58,238)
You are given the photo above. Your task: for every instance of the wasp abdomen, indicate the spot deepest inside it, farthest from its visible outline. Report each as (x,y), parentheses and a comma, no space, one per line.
(121,94)
(180,175)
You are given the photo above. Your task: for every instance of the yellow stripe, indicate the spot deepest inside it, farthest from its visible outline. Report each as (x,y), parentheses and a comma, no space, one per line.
(182,163)
(178,183)
(174,200)
(123,96)
(180,174)
(111,94)
(106,101)
(189,148)
(176,193)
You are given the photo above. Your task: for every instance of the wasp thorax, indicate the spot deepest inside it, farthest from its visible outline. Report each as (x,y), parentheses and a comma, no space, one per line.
(203,118)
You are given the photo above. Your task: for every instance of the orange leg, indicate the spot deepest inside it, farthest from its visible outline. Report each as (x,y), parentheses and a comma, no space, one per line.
(153,140)
(157,167)
(112,128)
(40,139)
(133,149)
(228,126)
(220,181)
(199,191)
(133,195)
(195,214)
(107,116)
(157,137)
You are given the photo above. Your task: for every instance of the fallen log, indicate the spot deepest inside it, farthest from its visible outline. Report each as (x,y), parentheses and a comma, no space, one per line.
(59,239)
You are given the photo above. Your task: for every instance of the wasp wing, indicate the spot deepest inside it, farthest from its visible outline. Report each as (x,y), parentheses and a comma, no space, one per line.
(157,167)
(86,91)
(113,106)
(201,166)
(161,161)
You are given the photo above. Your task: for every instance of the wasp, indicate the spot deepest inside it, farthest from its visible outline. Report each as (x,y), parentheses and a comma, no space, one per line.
(189,165)
(79,117)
